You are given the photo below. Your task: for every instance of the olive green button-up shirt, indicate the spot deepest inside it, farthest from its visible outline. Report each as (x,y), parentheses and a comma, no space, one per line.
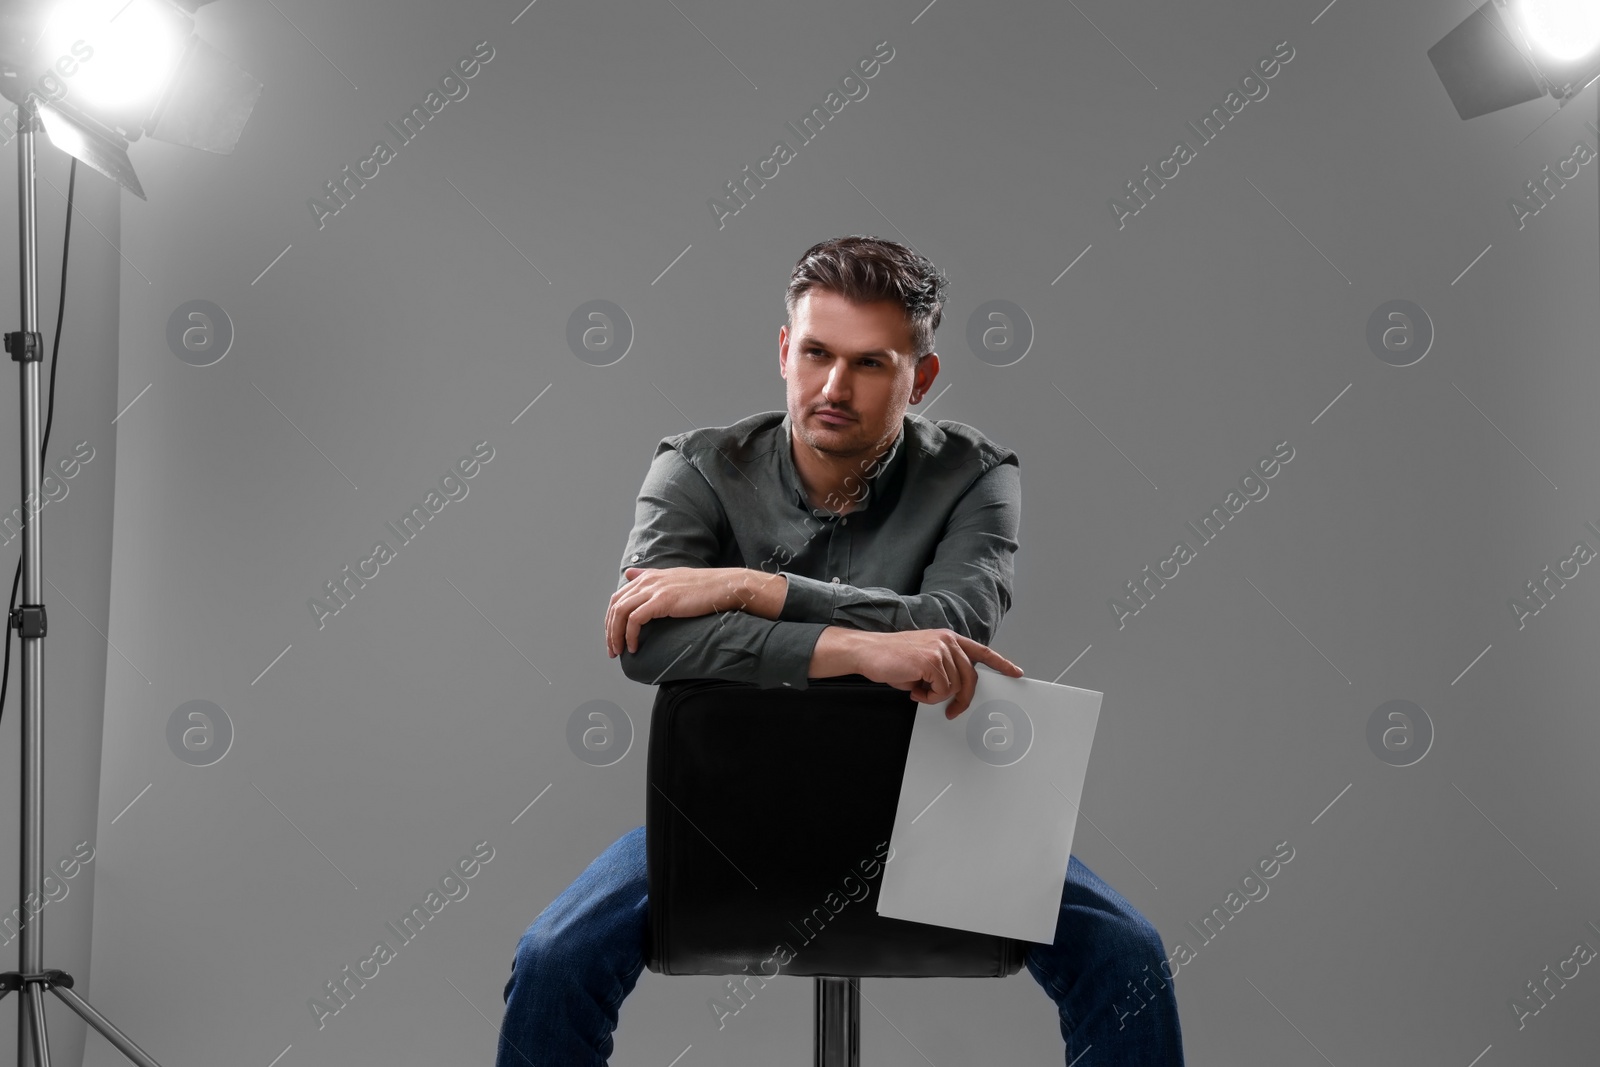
(929,544)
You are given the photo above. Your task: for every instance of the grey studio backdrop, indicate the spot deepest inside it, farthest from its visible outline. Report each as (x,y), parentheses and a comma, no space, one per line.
(276,787)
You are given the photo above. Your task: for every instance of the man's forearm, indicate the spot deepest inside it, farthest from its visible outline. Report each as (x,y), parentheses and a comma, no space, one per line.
(759,593)
(835,653)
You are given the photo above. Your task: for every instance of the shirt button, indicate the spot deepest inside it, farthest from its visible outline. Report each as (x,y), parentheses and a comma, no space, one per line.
(836,579)
(785,683)
(635,558)
(844,522)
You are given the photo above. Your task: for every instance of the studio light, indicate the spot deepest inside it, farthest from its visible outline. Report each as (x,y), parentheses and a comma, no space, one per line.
(103,73)
(1564,30)
(1508,52)
(95,75)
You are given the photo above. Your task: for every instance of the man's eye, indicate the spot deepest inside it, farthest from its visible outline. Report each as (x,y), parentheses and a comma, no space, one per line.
(868,361)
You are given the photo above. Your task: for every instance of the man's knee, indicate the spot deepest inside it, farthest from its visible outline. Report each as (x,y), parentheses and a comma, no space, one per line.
(1138,950)
(536,950)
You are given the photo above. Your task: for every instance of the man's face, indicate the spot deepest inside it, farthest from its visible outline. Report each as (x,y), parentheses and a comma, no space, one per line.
(853,358)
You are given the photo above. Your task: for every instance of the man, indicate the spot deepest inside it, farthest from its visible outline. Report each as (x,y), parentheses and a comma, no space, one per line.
(908,593)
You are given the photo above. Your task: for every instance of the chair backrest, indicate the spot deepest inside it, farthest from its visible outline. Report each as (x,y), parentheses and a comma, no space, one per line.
(767,824)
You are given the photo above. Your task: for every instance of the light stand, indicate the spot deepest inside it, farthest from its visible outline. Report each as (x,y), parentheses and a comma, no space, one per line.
(203,101)
(27,349)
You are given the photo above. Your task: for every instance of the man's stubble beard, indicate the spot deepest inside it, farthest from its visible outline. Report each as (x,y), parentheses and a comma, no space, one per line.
(827,450)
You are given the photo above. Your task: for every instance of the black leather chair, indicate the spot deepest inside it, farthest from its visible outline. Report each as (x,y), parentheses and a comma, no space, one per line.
(768,817)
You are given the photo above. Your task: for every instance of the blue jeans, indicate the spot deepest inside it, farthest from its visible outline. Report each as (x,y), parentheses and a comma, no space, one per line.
(585,952)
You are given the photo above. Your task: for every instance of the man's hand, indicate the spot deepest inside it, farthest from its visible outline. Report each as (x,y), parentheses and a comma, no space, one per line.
(679,592)
(933,665)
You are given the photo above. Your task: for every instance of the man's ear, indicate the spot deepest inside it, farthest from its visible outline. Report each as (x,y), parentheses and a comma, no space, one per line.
(926,371)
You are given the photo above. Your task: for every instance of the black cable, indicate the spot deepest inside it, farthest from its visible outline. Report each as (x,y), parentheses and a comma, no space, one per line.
(44,447)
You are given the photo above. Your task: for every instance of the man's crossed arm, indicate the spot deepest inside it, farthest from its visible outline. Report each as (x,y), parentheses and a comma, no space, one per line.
(750,625)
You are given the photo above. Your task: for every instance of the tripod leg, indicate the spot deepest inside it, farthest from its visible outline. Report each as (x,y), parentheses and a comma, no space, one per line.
(33,1019)
(102,1024)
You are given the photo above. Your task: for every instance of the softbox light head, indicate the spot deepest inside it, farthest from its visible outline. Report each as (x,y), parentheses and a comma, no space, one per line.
(103,73)
(1481,66)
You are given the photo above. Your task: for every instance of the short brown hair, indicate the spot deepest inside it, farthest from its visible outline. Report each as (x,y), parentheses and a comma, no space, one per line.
(866,269)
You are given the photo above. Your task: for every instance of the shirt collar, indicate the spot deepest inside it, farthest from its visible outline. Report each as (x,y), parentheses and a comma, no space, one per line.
(871,474)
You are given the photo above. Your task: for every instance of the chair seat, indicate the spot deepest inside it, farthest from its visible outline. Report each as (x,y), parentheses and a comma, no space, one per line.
(768,818)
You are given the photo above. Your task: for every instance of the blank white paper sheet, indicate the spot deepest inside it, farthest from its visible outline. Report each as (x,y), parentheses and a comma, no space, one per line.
(983,832)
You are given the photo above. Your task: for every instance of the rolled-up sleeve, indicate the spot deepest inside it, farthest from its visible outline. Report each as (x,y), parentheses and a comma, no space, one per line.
(966,588)
(679,522)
